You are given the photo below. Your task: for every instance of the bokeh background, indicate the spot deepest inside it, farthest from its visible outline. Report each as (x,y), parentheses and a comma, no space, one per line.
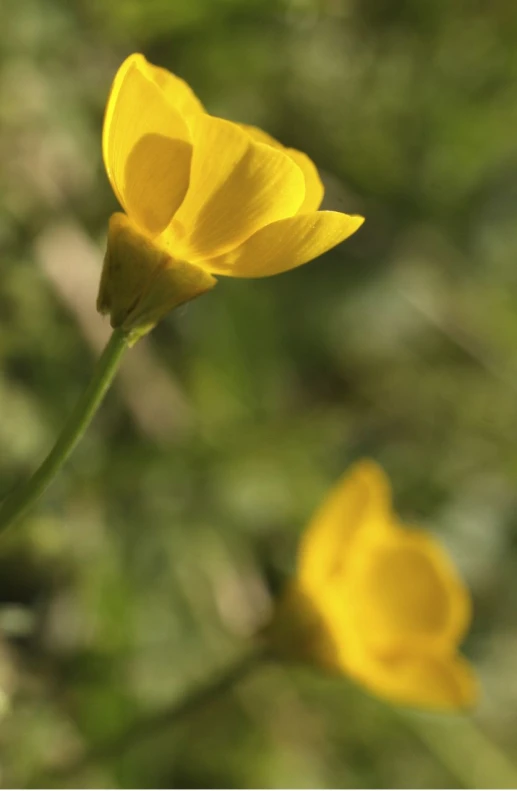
(157,551)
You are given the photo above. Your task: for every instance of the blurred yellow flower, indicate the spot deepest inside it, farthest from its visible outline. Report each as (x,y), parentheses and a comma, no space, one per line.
(376,600)
(201,196)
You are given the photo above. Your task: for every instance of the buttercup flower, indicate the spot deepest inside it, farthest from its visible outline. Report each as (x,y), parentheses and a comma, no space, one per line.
(201,197)
(376,600)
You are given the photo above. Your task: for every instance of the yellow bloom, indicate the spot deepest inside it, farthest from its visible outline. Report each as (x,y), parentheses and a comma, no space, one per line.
(202,196)
(376,600)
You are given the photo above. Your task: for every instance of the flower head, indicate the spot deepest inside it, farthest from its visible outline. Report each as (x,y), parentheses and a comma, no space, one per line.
(376,600)
(201,197)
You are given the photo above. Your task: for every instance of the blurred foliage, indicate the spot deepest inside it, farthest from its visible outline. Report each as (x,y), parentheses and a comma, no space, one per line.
(153,558)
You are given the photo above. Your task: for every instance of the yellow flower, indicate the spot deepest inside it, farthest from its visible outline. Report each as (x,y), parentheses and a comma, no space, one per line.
(376,600)
(202,196)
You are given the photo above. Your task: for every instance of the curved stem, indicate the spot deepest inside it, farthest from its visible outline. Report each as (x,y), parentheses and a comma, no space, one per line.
(147,727)
(23,497)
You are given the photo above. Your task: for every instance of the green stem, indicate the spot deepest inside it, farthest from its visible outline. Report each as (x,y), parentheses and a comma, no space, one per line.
(145,728)
(23,497)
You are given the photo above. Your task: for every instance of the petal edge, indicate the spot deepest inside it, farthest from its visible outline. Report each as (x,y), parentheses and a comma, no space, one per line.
(286,244)
(146,154)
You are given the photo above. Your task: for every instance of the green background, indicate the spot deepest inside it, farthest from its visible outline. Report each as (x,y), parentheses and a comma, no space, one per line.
(157,551)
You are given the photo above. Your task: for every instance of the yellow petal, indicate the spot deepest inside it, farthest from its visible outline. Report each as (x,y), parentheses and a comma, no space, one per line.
(286,244)
(302,632)
(236,187)
(314,189)
(146,147)
(438,683)
(177,91)
(405,593)
(361,500)
(141,282)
